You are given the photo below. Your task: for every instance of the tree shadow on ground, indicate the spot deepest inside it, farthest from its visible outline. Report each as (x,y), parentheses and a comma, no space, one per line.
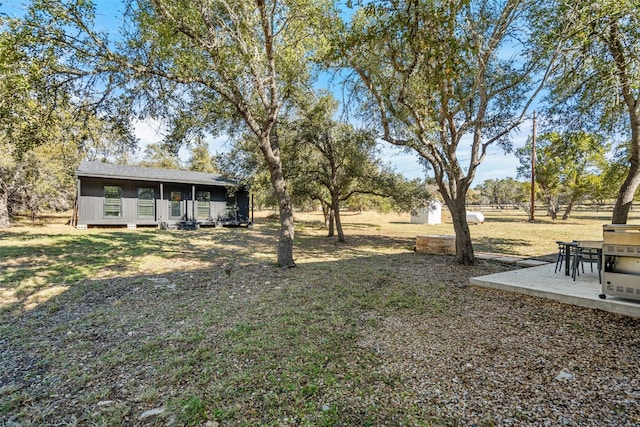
(500,245)
(43,260)
(39,260)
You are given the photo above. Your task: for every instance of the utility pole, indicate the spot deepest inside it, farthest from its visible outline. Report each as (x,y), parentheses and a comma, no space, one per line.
(533,170)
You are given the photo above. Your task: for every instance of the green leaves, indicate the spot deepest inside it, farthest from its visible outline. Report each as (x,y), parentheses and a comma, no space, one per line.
(595,86)
(569,167)
(48,121)
(435,79)
(600,60)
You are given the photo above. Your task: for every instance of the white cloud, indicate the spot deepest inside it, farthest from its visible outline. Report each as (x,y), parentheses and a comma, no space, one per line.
(148,131)
(219,144)
(151,131)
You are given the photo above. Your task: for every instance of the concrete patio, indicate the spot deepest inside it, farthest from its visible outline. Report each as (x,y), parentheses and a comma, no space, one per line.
(541,281)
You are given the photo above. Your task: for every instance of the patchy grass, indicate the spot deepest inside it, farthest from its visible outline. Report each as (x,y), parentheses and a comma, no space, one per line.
(98,327)
(504,231)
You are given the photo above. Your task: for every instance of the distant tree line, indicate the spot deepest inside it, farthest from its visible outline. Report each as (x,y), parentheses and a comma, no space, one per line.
(572,168)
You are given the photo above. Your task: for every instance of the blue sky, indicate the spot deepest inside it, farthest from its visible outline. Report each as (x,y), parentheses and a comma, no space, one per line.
(496,165)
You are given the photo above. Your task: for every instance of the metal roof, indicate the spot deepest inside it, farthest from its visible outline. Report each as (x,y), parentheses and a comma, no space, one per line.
(139,173)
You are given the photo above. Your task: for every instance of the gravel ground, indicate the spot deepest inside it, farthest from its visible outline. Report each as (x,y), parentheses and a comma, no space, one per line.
(507,364)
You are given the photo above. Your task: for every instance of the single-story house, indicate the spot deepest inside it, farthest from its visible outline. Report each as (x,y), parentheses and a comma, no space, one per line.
(117,195)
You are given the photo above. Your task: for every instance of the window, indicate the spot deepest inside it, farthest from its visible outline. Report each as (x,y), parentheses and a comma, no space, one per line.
(145,202)
(232,206)
(112,201)
(204,204)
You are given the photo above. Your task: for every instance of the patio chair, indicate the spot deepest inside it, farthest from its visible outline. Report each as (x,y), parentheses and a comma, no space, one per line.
(586,255)
(562,255)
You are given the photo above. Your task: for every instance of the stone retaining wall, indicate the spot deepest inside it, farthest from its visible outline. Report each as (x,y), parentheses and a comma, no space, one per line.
(436,244)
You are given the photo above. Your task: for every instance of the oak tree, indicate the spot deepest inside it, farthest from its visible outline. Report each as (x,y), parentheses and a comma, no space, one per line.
(567,168)
(448,80)
(46,126)
(596,85)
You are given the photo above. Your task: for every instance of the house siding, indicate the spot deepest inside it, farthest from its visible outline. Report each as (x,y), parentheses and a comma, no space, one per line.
(91,202)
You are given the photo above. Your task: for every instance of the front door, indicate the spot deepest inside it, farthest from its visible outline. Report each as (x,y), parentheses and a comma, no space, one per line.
(176,205)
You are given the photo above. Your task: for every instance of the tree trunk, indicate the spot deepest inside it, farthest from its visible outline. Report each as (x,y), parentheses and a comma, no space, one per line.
(332,231)
(632,181)
(464,246)
(285,241)
(4,210)
(326,214)
(625,195)
(568,210)
(627,85)
(335,207)
(552,208)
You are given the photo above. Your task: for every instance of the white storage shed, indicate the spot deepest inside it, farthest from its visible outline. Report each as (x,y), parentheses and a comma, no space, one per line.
(431,214)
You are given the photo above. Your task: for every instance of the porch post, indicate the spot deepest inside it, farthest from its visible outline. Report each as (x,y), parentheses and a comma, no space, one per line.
(76,208)
(160,212)
(193,203)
